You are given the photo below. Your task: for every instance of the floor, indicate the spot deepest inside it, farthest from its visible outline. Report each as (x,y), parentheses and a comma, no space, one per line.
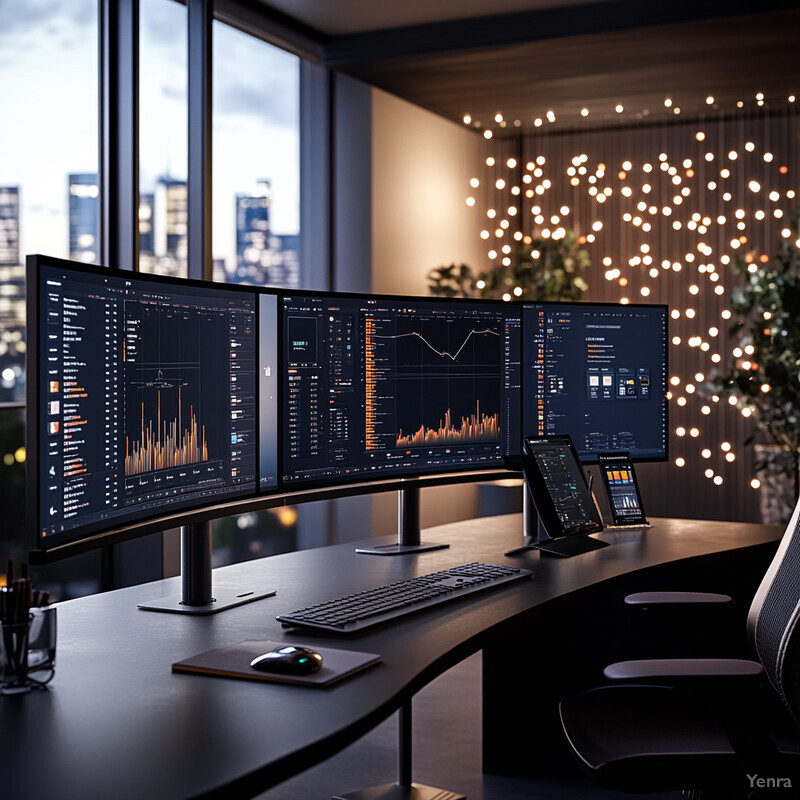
(447,754)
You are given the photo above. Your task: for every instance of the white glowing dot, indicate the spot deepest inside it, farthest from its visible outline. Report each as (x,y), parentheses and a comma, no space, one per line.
(690,388)
(754,186)
(755,483)
(732,401)
(597,225)
(491,213)
(485,234)
(487,134)
(624,301)
(768,157)
(470,201)
(467,119)
(675,314)
(694,432)
(690,312)
(681,401)
(709,156)
(518,291)
(730,457)
(719,289)
(725,446)
(694,289)
(705,410)
(711,186)
(680,431)
(506,297)
(481,284)
(709,473)
(490,161)
(705,452)
(511,163)
(718,480)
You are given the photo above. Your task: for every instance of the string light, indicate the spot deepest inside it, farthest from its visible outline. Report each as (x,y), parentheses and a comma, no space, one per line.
(669,198)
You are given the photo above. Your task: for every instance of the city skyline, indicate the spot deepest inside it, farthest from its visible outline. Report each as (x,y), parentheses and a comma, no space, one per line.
(51,126)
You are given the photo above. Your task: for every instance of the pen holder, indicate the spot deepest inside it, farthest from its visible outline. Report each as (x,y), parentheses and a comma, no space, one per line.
(42,645)
(28,652)
(14,657)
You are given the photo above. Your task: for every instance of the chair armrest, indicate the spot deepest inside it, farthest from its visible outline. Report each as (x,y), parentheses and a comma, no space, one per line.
(677,599)
(681,669)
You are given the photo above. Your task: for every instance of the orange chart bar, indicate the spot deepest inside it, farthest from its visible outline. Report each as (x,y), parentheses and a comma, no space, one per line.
(475,428)
(166,444)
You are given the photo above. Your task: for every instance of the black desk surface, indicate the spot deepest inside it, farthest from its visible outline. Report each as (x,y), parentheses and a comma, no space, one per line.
(116,722)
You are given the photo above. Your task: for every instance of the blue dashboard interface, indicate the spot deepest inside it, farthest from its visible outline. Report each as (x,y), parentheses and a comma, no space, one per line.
(597,372)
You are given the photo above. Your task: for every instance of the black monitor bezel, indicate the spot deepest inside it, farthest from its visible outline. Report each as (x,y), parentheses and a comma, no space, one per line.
(141,522)
(592,458)
(504,463)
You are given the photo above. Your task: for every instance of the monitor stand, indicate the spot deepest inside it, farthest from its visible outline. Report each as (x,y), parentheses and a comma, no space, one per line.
(196,595)
(404,789)
(409,538)
(537,538)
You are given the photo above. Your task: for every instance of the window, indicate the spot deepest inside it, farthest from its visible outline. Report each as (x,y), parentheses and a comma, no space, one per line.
(48,138)
(163,125)
(256,160)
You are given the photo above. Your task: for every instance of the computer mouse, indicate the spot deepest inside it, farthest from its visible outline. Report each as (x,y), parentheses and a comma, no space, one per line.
(288,660)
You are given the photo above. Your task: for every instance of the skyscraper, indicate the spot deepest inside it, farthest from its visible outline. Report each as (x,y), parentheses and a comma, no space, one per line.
(252,233)
(9,225)
(83,217)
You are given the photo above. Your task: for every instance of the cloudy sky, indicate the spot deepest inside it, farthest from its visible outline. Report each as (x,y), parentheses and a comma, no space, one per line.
(48,108)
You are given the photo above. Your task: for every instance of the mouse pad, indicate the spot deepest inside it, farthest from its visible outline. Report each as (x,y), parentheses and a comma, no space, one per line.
(234,662)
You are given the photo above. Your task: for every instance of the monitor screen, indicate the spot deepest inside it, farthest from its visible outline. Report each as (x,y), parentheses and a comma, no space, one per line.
(146,397)
(376,387)
(597,372)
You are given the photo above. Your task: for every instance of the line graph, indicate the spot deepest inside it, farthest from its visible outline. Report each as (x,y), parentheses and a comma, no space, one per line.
(431,380)
(443,353)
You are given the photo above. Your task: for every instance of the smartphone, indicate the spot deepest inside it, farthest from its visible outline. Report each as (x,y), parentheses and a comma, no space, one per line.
(624,498)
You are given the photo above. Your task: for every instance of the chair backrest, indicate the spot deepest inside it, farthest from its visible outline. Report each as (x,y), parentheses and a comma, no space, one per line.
(772,623)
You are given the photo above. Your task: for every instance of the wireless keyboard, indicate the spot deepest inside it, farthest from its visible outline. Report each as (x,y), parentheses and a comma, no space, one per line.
(356,612)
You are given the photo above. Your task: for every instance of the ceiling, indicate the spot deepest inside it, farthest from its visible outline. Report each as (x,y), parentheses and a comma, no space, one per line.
(522,58)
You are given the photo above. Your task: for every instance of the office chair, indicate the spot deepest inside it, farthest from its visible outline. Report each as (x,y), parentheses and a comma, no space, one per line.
(710,727)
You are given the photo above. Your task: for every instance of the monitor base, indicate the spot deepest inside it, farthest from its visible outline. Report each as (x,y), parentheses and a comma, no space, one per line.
(397,549)
(223,600)
(393,791)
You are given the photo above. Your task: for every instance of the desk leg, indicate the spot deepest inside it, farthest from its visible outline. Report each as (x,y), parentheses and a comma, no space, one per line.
(404,789)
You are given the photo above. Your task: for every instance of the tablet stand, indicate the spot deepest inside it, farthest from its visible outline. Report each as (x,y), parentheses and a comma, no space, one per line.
(536,536)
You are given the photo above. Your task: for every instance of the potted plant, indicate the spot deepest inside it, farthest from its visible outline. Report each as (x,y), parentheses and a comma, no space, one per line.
(539,269)
(763,371)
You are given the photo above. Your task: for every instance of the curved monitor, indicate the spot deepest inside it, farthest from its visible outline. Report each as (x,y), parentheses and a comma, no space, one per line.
(143,397)
(378,387)
(598,372)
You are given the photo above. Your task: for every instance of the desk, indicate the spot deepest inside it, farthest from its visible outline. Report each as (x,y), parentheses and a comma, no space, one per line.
(118,723)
